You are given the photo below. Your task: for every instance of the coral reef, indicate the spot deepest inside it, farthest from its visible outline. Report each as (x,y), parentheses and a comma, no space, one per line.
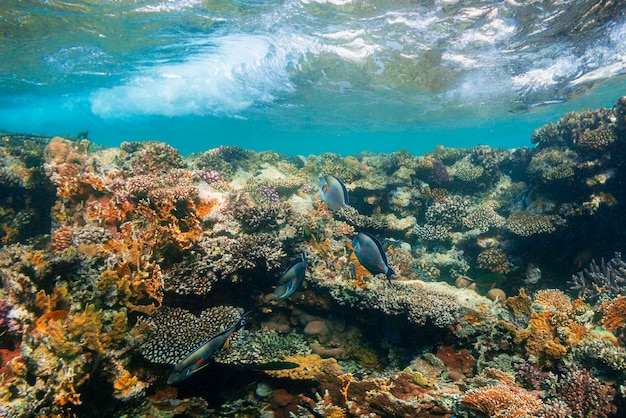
(117,263)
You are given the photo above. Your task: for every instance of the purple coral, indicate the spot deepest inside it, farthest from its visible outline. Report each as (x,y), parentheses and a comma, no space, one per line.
(211,176)
(268,192)
(584,394)
(4,311)
(608,277)
(439,175)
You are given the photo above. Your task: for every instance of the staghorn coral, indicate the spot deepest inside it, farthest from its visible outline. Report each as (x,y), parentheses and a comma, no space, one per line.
(176,332)
(604,280)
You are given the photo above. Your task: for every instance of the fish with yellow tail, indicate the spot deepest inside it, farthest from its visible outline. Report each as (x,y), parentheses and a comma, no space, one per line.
(371,254)
(199,358)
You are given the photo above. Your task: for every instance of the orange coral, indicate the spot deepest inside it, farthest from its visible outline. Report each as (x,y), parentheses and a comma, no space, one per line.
(520,304)
(552,329)
(502,401)
(37,259)
(58,300)
(205,207)
(62,238)
(614,313)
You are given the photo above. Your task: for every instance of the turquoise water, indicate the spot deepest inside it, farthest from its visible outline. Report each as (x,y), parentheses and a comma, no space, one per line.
(306,76)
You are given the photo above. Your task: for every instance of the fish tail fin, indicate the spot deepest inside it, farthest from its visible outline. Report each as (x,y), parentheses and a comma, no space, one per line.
(240,322)
(390,274)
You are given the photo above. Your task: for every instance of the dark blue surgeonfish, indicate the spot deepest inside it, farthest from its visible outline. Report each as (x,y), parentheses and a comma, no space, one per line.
(333,192)
(293,278)
(199,359)
(371,254)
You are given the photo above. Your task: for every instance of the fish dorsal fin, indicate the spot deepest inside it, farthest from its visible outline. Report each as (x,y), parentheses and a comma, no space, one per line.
(346,198)
(379,245)
(294,262)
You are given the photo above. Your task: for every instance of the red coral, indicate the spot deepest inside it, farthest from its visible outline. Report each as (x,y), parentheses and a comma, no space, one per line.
(459,363)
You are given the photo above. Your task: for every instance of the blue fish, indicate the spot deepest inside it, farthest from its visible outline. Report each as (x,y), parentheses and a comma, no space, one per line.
(333,192)
(293,278)
(371,254)
(199,359)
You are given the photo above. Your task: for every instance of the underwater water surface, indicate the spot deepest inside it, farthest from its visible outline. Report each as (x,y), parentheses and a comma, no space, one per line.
(306,76)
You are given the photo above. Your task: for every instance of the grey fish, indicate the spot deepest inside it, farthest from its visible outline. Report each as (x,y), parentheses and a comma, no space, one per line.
(199,359)
(371,254)
(333,192)
(293,278)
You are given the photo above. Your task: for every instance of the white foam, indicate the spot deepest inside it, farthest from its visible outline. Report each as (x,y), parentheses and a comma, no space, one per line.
(237,72)
(169,6)
(539,79)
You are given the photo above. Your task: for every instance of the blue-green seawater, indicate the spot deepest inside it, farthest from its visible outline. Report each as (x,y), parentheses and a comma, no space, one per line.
(306,76)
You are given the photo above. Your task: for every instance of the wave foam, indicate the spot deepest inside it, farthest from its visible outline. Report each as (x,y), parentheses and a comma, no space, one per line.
(237,72)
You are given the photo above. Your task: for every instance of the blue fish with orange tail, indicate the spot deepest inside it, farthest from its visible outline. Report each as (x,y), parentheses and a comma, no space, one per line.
(199,359)
(333,192)
(293,278)
(371,254)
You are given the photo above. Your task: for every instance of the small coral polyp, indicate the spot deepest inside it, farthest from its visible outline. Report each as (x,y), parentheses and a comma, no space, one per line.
(117,264)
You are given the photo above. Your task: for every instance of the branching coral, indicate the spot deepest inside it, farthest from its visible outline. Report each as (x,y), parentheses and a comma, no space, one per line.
(449,213)
(418,304)
(584,395)
(483,218)
(190,277)
(247,252)
(494,260)
(147,158)
(595,281)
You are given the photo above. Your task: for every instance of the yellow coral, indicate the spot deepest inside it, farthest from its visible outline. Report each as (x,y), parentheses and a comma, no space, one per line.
(124,384)
(310,365)
(520,304)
